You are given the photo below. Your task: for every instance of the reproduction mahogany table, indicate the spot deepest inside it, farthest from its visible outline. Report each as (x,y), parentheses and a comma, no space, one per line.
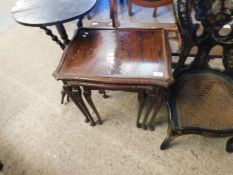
(43,13)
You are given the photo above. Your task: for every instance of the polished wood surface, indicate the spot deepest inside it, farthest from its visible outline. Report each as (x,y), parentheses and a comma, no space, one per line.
(216,52)
(50,12)
(123,56)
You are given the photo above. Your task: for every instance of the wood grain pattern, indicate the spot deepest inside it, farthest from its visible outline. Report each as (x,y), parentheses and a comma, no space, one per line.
(123,56)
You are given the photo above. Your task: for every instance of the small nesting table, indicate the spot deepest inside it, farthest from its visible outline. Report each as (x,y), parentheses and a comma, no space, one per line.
(134,60)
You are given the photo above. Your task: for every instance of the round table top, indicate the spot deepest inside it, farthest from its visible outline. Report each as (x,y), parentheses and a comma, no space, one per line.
(50,12)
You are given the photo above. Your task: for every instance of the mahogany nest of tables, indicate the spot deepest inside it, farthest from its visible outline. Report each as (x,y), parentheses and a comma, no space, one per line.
(134,60)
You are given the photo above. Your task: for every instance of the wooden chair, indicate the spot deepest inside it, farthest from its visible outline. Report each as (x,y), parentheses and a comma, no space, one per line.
(126,59)
(148,3)
(170,27)
(201,99)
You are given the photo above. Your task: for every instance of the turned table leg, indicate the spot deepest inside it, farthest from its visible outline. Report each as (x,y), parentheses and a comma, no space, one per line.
(87,95)
(54,37)
(62,32)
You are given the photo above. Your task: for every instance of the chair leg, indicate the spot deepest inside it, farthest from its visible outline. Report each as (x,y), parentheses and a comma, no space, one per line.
(150,102)
(229,146)
(155,12)
(130,13)
(170,136)
(141,100)
(77,93)
(179,38)
(158,103)
(87,95)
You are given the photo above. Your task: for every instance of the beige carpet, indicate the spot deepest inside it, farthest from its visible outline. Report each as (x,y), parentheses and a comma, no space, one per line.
(39,136)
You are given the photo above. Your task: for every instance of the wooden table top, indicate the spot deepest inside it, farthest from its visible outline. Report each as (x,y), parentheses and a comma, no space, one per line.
(50,12)
(124,56)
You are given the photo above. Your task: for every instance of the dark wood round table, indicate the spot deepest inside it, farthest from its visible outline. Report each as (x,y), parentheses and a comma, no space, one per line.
(43,13)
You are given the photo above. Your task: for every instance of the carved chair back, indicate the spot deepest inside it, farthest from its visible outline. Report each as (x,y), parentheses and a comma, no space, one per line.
(193,16)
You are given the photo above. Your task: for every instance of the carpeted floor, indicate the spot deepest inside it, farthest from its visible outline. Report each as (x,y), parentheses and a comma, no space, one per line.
(39,136)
